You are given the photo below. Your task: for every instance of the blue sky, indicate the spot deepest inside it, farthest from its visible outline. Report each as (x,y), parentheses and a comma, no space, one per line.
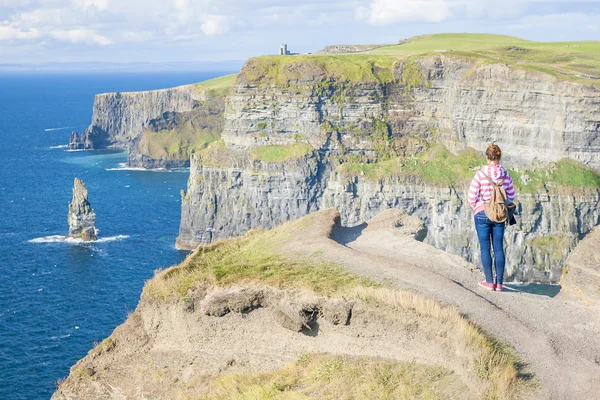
(34,31)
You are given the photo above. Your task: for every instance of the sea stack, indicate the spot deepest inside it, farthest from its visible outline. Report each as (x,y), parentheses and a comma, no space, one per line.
(81,214)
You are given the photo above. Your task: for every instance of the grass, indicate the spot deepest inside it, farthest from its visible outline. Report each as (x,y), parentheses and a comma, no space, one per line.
(177,143)
(552,245)
(437,166)
(340,68)
(555,58)
(566,60)
(252,258)
(335,377)
(220,84)
(281,153)
(564,175)
(256,259)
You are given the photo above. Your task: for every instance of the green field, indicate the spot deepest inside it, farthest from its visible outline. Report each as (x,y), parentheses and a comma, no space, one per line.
(577,61)
(217,85)
(556,58)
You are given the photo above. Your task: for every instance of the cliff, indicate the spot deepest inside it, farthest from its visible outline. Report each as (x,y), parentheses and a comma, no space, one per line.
(247,318)
(581,278)
(159,128)
(300,312)
(371,126)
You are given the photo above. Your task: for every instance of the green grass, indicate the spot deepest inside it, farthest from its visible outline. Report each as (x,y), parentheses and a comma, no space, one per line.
(281,153)
(565,175)
(176,144)
(340,377)
(339,68)
(253,258)
(436,166)
(555,58)
(222,82)
(552,245)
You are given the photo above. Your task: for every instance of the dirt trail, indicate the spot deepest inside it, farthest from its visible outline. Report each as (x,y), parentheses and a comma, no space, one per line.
(559,340)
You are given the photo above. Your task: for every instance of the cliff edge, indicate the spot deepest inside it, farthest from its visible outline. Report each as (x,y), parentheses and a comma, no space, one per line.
(300,311)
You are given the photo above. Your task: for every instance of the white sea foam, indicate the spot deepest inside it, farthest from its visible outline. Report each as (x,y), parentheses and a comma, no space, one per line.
(57,129)
(60,146)
(68,240)
(73,150)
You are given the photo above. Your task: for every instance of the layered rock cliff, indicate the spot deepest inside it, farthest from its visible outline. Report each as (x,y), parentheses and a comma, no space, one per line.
(384,112)
(81,216)
(581,279)
(158,128)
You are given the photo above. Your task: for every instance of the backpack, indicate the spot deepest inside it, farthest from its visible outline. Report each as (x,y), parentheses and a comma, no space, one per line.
(496,209)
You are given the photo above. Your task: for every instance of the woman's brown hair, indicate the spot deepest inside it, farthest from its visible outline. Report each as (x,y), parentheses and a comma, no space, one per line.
(493,152)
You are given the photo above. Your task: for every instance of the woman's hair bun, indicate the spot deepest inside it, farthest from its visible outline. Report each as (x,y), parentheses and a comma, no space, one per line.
(493,152)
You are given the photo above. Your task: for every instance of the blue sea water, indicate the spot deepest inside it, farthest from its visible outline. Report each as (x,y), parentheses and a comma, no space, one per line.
(58,298)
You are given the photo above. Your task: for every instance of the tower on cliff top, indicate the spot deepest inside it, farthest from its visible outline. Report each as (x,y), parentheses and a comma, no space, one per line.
(283,50)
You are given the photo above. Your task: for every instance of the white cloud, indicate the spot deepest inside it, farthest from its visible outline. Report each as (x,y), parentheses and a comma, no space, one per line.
(10,33)
(559,22)
(80,36)
(384,12)
(215,25)
(86,4)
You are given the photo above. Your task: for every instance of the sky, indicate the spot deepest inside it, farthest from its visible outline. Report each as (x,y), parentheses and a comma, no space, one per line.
(39,31)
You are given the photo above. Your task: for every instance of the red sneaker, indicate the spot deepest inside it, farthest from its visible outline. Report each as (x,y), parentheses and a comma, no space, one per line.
(498,287)
(488,286)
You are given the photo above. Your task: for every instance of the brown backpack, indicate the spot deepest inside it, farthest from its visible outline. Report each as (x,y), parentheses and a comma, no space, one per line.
(496,209)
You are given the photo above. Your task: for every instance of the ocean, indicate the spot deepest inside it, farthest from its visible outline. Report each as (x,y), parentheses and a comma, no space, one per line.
(58,298)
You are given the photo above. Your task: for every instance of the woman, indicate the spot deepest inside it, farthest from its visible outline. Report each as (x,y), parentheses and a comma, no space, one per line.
(490,234)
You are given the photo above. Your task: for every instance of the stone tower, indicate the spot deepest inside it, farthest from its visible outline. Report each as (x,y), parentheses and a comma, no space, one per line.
(283,50)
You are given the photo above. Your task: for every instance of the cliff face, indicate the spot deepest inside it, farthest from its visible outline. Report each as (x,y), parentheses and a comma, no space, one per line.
(581,279)
(143,124)
(394,112)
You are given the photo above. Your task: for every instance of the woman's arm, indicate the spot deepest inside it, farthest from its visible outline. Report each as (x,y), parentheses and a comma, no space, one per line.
(474,190)
(510,188)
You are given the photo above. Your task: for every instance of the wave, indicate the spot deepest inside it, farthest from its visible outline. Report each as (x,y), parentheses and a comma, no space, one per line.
(57,129)
(60,146)
(69,240)
(73,150)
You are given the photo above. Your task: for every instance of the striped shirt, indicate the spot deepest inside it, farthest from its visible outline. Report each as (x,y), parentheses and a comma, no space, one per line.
(481,190)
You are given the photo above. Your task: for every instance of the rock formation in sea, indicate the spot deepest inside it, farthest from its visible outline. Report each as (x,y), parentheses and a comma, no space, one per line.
(301,136)
(81,215)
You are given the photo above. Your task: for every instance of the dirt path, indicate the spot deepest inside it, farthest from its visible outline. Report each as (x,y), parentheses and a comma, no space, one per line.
(559,340)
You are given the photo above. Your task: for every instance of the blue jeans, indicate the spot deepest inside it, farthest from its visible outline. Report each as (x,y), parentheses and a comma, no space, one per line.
(491,234)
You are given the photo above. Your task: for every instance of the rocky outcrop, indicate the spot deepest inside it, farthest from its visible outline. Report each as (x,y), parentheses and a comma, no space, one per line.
(536,118)
(121,120)
(81,215)
(581,279)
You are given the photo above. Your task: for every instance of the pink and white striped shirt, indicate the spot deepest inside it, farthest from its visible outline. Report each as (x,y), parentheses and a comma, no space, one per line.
(481,190)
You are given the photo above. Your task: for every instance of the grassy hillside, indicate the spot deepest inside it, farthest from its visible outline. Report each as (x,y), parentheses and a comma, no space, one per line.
(219,85)
(578,61)
(556,58)
(258,259)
